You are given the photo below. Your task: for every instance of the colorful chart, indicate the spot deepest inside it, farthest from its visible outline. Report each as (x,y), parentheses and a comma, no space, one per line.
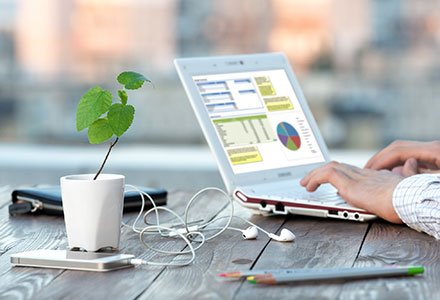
(288,136)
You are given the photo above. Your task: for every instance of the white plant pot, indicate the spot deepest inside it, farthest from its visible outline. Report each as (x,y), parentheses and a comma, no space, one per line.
(93,210)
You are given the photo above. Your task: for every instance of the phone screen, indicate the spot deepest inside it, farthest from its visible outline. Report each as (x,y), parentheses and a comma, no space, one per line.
(75,260)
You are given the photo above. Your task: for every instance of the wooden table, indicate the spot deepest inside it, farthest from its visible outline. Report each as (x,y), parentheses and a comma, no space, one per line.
(319,243)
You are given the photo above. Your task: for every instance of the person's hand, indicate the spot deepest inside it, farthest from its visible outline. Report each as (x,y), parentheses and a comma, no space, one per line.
(363,188)
(408,158)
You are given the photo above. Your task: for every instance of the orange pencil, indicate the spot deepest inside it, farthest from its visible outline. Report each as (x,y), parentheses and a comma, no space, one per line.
(247,273)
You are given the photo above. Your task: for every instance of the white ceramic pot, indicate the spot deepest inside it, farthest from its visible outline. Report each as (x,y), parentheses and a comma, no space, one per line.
(93,210)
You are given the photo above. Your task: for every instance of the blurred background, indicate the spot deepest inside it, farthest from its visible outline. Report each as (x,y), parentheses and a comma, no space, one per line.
(369,69)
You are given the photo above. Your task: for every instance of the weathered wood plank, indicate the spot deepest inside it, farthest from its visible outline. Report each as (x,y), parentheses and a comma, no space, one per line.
(229,252)
(128,283)
(5,195)
(25,233)
(320,243)
(388,244)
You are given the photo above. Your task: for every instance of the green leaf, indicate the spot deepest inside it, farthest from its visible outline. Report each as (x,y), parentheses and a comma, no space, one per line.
(92,105)
(123,96)
(132,80)
(120,118)
(99,131)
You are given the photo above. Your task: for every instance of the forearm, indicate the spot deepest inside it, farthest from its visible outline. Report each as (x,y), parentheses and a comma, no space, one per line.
(416,200)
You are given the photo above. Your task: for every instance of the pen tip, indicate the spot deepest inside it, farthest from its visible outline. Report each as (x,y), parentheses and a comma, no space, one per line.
(415,270)
(222,275)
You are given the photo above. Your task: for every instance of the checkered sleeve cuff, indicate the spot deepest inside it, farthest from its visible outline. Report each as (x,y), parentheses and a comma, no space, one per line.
(416,200)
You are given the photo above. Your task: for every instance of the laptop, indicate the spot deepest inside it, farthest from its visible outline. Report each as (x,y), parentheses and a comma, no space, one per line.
(258,125)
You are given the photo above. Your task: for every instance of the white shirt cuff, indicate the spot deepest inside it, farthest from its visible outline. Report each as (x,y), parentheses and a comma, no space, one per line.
(416,200)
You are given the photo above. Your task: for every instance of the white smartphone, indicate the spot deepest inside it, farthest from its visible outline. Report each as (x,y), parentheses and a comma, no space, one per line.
(73,260)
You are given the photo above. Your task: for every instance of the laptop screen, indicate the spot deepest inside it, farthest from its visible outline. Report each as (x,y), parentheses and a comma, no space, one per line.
(258,120)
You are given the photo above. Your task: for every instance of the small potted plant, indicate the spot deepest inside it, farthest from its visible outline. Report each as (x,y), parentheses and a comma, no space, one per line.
(93,203)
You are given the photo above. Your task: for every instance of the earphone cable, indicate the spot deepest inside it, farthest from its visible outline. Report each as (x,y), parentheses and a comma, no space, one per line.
(187,233)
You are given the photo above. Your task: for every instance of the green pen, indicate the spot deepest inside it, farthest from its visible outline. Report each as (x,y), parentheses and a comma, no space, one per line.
(337,273)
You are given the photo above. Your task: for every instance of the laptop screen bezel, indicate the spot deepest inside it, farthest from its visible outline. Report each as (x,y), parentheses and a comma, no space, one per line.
(189,67)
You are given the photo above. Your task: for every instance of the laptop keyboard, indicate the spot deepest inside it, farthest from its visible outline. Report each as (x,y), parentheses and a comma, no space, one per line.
(318,196)
(324,194)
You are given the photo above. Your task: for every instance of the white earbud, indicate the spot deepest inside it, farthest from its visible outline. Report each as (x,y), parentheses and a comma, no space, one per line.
(185,232)
(250,233)
(285,236)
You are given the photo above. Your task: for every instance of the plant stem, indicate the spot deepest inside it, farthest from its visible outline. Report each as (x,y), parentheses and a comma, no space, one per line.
(108,153)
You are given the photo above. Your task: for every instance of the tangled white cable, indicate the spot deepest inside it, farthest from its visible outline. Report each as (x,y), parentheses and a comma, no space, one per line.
(190,234)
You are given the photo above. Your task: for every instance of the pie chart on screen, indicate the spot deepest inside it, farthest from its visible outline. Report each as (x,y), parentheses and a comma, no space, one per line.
(288,136)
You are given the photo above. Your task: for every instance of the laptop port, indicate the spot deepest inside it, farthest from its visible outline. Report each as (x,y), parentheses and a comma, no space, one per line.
(279,207)
(332,212)
(263,204)
(345,214)
(356,216)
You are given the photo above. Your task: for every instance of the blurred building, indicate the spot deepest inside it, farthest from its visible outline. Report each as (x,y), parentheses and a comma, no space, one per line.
(369,68)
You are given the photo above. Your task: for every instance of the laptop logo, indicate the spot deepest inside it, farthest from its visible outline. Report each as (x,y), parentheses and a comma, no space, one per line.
(284,174)
(234,62)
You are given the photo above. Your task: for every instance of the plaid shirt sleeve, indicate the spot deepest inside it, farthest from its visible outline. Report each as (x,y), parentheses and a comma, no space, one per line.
(416,200)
